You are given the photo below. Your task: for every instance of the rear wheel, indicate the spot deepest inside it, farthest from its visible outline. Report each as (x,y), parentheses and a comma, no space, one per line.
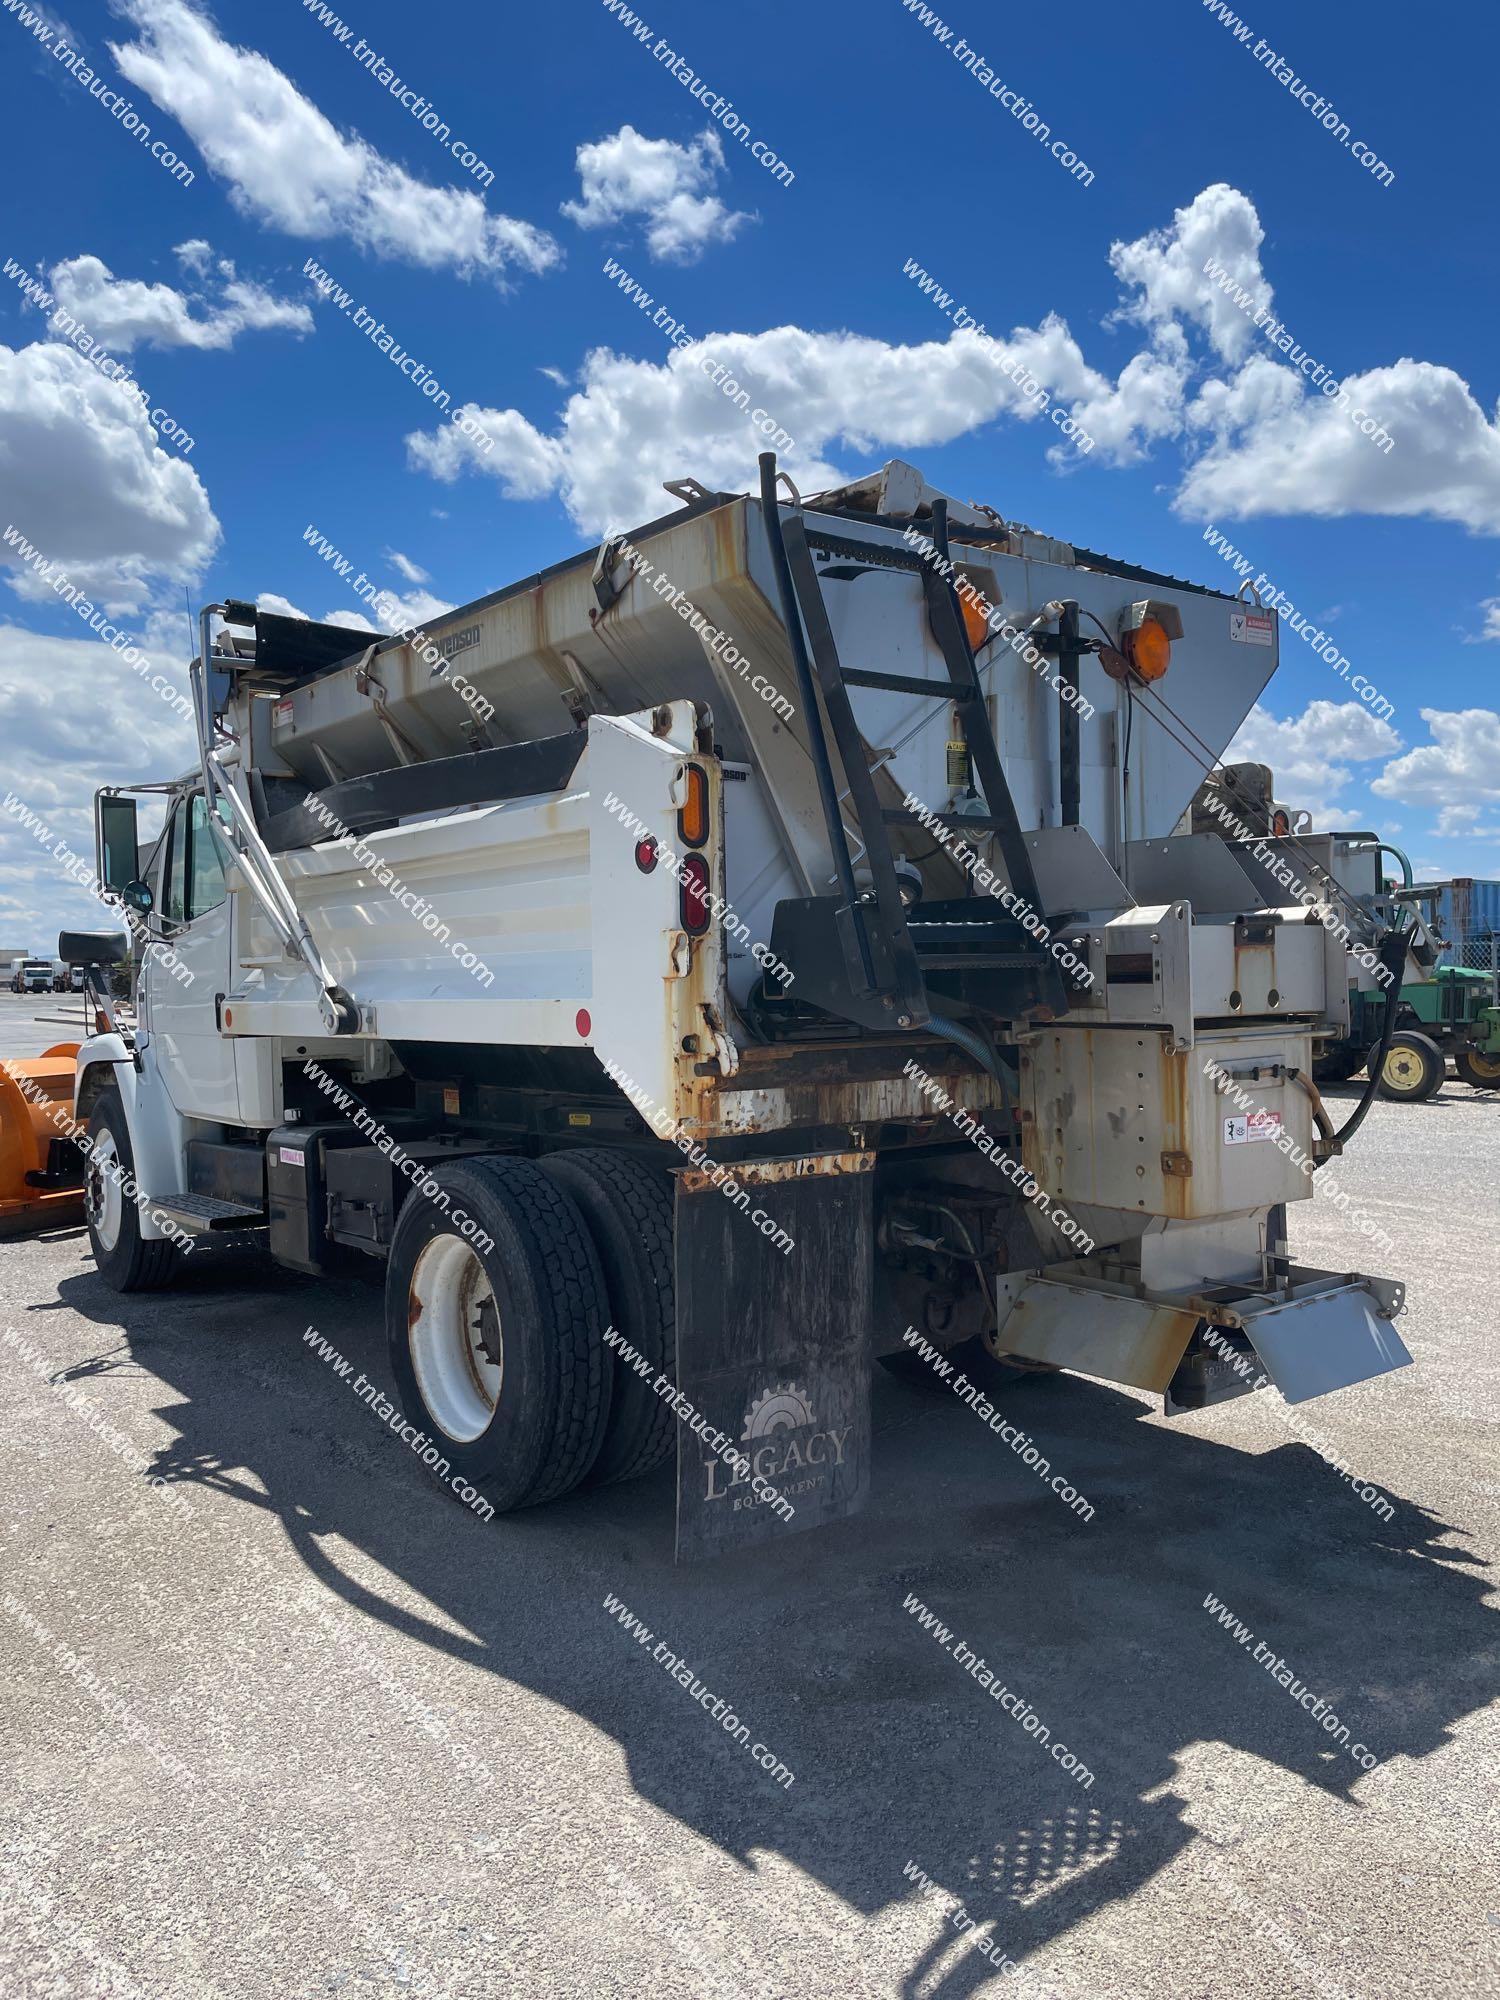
(1483,1072)
(496,1334)
(1413,1069)
(628,1209)
(127,1261)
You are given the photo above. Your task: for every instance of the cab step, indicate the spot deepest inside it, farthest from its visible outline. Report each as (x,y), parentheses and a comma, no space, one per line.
(211,1212)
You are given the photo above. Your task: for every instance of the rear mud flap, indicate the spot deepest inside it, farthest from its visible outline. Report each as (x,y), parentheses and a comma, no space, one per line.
(773,1348)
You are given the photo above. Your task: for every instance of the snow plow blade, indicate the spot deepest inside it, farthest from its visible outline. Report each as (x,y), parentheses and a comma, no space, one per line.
(41,1182)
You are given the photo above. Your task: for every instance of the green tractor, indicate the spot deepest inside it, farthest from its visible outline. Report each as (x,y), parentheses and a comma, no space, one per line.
(1450,1014)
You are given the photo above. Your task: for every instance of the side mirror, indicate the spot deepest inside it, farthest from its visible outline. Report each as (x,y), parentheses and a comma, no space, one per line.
(118,844)
(83,948)
(137,896)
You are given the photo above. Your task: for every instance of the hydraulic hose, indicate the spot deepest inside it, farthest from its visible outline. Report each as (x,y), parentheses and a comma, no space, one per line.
(975,1046)
(1392,954)
(1384,847)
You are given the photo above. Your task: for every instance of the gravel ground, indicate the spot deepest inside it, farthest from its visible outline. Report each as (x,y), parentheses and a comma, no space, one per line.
(327,1733)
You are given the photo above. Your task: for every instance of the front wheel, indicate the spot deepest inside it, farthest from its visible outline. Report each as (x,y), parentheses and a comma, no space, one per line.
(495,1314)
(127,1261)
(1413,1069)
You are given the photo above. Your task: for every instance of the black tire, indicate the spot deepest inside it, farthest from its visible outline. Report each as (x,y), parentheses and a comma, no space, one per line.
(130,1263)
(1480,1072)
(1413,1069)
(541,1270)
(628,1209)
(1338,1065)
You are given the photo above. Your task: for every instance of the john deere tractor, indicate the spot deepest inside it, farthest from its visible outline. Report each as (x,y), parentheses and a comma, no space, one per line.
(1450,1014)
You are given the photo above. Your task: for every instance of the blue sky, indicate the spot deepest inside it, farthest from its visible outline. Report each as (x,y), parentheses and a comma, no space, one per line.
(899,152)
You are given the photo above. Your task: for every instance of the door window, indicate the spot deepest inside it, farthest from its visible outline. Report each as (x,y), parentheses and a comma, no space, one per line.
(205,862)
(193,877)
(174,868)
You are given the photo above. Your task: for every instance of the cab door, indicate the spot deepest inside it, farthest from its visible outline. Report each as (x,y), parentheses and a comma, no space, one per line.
(184,977)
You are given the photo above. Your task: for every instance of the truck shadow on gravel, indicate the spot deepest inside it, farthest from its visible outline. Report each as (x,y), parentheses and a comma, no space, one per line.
(901,1758)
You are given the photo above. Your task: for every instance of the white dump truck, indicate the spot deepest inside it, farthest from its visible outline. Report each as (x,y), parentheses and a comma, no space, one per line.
(745,951)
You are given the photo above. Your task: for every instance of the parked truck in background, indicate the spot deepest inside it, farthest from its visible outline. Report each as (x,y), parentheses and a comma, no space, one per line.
(741,952)
(31,975)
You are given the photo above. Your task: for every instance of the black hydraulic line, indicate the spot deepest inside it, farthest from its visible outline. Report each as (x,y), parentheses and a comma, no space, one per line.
(817,743)
(1069,776)
(1392,954)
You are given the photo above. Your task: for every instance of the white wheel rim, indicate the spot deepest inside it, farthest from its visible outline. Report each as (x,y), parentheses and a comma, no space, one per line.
(450,1306)
(103,1201)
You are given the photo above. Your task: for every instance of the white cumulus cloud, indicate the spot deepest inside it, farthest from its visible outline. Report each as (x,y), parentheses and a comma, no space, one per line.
(85,481)
(1164,269)
(668,185)
(288,165)
(1311,754)
(631,424)
(123,313)
(1459,768)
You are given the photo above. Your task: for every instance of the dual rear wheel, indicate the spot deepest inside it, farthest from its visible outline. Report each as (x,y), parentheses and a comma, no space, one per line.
(499,1293)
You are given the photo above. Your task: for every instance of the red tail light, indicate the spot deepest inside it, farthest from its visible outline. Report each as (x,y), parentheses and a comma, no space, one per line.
(645,854)
(693,900)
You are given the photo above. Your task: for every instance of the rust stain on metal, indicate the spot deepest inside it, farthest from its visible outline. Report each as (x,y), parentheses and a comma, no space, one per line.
(774,1173)
(1177,1192)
